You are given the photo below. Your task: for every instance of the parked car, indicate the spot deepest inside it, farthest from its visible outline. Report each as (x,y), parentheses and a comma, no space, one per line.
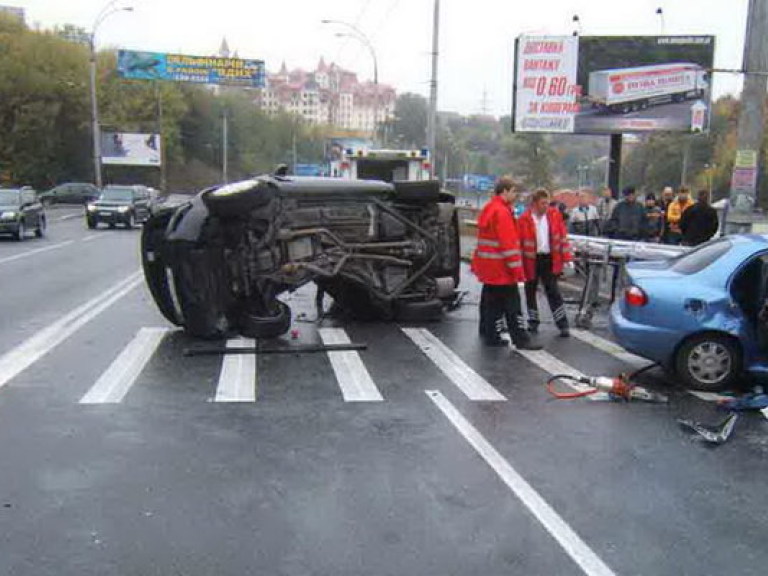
(700,315)
(217,263)
(126,205)
(20,212)
(71,193)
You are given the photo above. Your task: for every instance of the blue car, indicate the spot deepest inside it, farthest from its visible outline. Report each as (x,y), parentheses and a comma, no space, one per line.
(699,315)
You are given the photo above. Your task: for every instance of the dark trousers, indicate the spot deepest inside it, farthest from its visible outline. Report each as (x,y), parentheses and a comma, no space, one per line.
(549,281)
(497,305)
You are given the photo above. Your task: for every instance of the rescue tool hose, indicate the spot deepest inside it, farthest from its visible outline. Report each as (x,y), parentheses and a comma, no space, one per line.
(568,395)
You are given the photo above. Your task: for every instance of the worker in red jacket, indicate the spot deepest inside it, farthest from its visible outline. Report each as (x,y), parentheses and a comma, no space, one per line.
(546,252)
(497,263)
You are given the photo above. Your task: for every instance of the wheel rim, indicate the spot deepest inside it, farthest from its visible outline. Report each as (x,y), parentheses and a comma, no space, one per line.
(710,362)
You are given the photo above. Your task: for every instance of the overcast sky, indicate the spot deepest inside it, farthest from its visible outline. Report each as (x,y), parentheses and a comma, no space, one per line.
(475,45)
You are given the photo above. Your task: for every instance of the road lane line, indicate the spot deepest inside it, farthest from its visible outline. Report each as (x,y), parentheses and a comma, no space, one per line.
(35,347)
(554,366)
(35,251)
(68,217)
(237,379)
(91,237)
(116,380)
(354,380)
(474,386)
(589,562)
(611,348)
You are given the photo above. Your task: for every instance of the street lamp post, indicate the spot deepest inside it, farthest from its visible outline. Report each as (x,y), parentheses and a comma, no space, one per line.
(105,13)
(358,35)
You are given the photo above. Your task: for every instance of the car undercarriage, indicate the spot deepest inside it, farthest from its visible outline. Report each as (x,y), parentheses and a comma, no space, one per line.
(216,265)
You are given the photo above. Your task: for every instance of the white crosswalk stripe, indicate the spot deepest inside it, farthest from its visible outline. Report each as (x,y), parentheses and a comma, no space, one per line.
(610,348)
(474,386)
(237,380)
(117,380)
(354,380)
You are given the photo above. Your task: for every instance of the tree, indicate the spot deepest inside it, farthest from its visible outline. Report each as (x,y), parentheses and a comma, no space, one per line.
(408,129)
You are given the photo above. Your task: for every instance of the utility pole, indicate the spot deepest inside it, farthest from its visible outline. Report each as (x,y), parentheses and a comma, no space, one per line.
(743,196)
(95,128)
(432,119)
(224,147)
(163,173)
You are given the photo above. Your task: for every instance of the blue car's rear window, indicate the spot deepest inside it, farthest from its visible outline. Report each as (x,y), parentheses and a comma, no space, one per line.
(701,257)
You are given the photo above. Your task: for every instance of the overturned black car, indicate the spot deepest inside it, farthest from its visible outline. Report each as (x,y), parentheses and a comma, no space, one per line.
(216,264)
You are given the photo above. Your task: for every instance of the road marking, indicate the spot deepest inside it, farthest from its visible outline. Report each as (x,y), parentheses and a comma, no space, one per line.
(589,562)
(68,217)
(116,380)
(554,367)
(611,348)
(237,379)
(35,251)
(91,237)
(474,386)
(31,350)
(354,380)
(709,396)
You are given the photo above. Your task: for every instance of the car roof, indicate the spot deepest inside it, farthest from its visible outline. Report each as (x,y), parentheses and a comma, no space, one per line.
(322,184)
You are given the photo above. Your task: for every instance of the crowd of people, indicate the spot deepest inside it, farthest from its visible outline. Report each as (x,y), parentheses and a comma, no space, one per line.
(670,219)
(525,241)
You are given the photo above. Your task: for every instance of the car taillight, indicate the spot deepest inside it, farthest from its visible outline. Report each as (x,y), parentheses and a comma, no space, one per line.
(634,296)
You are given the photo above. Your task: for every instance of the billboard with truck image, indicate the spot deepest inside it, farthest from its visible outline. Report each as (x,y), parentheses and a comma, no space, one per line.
(612,84)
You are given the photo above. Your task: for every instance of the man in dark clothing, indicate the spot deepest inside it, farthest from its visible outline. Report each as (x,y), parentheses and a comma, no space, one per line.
(667,197)
(699,222)
(628,219)
(654,220)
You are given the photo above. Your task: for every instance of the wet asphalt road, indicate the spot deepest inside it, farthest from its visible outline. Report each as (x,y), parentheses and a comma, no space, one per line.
(426,480)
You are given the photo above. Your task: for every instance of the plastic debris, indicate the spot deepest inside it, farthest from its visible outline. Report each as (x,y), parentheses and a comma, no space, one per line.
(753,401)
(717,434)
(294,334)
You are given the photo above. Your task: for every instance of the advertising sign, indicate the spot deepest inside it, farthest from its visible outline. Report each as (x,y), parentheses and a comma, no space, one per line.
(612,84)
(128,149)
(13,11)
(200,69)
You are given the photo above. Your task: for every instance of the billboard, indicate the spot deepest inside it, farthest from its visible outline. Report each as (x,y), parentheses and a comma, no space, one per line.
(13,11)
(134,65)
(127,149)
(612,84)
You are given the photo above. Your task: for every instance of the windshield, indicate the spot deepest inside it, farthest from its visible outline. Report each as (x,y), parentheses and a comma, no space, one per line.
(701,257)
(117,194)
(9,197)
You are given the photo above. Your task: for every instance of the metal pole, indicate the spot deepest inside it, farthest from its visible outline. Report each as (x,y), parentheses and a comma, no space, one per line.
(95,114)
(686,160)
(225,146)
(163,174)
(743,194)
(432,119)
(614,166)
(375,91)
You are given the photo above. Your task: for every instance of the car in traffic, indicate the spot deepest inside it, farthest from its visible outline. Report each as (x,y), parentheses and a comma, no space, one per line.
(20,213)
(125,205)
(217,263)
(702,315)
(70,193)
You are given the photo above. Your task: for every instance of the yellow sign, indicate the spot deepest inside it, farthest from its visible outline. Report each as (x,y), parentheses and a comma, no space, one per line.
(746,159)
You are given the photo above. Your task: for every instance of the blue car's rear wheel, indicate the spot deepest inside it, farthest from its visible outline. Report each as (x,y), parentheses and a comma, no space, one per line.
(709,362)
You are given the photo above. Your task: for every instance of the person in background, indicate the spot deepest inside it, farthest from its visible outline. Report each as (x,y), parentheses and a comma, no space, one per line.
(675,213)
(605,207)
(654,220)
(584,218)
(699,223)
(497,263)
(546,252)
(628,219)
(667,197)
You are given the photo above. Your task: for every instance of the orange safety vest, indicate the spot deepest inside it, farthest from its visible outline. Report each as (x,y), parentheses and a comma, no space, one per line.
(559,247)
(497,259)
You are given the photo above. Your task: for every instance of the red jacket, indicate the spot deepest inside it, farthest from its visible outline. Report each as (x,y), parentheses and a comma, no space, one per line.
(497,259)
(559,247)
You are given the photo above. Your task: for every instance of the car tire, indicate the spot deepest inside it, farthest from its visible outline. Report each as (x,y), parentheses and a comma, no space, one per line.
(21,232)
(253,326)
(40,231)
(709,362)
(426,311)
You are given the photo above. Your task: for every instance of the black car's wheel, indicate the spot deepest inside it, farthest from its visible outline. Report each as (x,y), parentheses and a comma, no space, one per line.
(40,230)
(427,311)
(709,362)
(21,232)
(255,326)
